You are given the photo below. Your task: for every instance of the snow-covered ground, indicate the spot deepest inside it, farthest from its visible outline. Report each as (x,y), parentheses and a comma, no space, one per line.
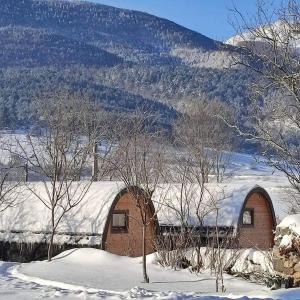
(95,274)
(14,289)
(98,269)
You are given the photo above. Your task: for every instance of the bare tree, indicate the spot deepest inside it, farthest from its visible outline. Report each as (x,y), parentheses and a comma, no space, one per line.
(138,161)
(11,186)
(204,138)
(270,50)
(217,245)
(12,175)
(175,240)
(202,241)
(60,155)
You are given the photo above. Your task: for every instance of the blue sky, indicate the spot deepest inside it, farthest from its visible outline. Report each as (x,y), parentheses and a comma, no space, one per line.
(209,17)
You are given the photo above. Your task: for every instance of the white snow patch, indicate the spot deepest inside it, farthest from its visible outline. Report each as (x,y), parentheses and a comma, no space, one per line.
(286,241)
(278,28)
(292,222)
(250,259)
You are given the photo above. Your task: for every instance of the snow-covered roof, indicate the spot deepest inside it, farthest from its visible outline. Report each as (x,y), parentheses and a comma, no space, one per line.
(87,221)
(88,217)
(175,201)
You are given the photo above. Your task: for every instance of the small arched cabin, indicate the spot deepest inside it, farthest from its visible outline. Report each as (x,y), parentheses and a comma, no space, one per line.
(242,212)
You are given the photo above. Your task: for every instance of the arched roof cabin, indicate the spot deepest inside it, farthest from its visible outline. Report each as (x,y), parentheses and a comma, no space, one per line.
(247,210)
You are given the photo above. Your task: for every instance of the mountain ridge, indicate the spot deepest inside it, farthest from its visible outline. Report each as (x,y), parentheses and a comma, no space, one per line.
(131,54)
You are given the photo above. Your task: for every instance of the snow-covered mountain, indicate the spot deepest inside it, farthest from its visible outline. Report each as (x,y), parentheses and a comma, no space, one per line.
(281,30)
(121,57)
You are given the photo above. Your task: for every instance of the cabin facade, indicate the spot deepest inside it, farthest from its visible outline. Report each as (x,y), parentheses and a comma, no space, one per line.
(123,232)
(257,221)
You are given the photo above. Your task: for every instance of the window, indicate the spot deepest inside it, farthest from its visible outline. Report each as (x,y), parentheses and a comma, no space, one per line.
(248,216)
(119,221)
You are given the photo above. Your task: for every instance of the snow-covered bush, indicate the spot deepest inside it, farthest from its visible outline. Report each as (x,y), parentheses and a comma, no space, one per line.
(287,249)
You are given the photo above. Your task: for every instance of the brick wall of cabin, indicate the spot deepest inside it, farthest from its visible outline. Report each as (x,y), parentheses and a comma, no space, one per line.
(260,234)
(130,243)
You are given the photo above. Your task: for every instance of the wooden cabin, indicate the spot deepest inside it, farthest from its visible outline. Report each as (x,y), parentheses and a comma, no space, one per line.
(109,218)
(245,213)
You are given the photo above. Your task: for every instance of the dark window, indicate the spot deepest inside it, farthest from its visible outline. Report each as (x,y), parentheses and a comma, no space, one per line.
(119,221)
(248,216)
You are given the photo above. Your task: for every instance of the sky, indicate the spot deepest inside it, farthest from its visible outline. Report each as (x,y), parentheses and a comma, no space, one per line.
(209,17)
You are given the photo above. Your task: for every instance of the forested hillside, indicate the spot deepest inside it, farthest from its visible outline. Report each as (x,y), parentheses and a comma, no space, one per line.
(122,58)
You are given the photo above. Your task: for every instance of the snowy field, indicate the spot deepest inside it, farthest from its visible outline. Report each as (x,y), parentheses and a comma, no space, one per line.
(95,274)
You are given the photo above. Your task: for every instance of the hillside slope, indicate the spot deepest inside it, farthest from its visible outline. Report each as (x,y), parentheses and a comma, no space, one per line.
(28,47)
(132,54)
(133,35)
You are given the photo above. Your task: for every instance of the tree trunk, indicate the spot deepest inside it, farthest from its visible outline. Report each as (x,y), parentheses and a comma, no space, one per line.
(50,247)
(26,172)
(204,174)
(199,261)
(95,168)
(146,278)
